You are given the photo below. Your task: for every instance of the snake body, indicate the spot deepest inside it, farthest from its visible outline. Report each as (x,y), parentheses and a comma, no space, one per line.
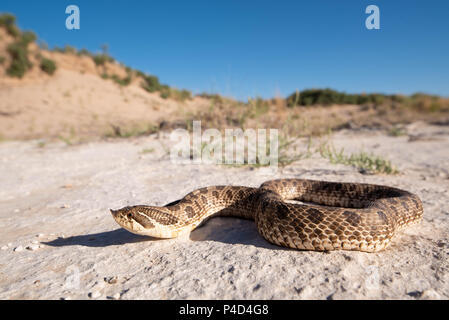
(331,215)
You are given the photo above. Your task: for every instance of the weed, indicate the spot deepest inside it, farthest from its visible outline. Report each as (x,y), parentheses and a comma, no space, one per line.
(118,132)
(66,140)
(364,162)
(48,66)
(148,150)
(397,131)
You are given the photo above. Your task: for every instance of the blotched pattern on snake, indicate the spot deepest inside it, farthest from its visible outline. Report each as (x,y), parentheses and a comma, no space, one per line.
(331,215)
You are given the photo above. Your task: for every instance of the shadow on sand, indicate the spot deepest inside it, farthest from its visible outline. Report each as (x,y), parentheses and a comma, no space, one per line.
(225,230)
(102,239)
(232,231)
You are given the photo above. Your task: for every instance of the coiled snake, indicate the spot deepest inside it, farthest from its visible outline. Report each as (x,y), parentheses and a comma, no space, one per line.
(332,215)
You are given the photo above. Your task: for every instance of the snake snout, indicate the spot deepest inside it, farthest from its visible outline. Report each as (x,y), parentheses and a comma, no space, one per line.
(114,212)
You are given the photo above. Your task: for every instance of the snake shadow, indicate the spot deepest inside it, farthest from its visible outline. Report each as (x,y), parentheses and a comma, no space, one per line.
(101,239)
(227,230)
(232,231)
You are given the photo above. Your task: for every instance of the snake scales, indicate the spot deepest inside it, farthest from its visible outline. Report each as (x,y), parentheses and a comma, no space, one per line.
(332,215)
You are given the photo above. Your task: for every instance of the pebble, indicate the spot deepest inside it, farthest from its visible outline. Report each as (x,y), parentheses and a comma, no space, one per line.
(40,235)
(430,294)
(34,242)
(111,280)
(115,296)
(18,249)
(33,247)
(65,206)
(94,294)
(5,248)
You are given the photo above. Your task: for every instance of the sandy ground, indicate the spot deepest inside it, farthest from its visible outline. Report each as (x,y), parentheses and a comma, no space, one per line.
(59,240)
(74,105)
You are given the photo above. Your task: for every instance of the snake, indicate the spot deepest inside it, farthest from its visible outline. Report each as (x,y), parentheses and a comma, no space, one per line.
(294,213)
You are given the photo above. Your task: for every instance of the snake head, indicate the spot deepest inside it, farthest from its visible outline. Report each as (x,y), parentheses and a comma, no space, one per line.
(131,219)
(145,220)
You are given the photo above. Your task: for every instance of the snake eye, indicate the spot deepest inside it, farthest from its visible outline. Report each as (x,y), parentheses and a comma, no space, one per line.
(130,215)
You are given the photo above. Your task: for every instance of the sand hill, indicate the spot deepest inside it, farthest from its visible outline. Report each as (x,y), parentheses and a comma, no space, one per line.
(76,100)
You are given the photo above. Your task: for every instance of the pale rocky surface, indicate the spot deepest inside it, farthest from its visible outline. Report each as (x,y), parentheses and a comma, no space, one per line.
(55,199)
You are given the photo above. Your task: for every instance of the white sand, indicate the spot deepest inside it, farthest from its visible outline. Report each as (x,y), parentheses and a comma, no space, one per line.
(54,203)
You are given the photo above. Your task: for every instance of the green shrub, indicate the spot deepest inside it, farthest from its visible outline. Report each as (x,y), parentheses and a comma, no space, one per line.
(351,99)
(377,99)
(20,63)
(328,96)
(17,69)
(123,82)
(397,98)
(140,74)
(181,95)
(165,94)
(48,66)
(151,83)
(84,52)
(8,21)
(317,96)
(58,49)
(27,37)
(101,59)
(69,49)
(213,96)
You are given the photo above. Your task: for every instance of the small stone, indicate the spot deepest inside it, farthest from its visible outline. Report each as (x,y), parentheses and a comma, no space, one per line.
(33,247)
(40,235)
(116,296)
(34,242)
(65,298)
(5,248)
(111,280)
(430,294)
(18,249)
(65,206)
(67,186)
(94,294)
(10,244)
(16,210)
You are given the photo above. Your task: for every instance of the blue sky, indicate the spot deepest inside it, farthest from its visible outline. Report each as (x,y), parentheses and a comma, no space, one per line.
(245,48)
